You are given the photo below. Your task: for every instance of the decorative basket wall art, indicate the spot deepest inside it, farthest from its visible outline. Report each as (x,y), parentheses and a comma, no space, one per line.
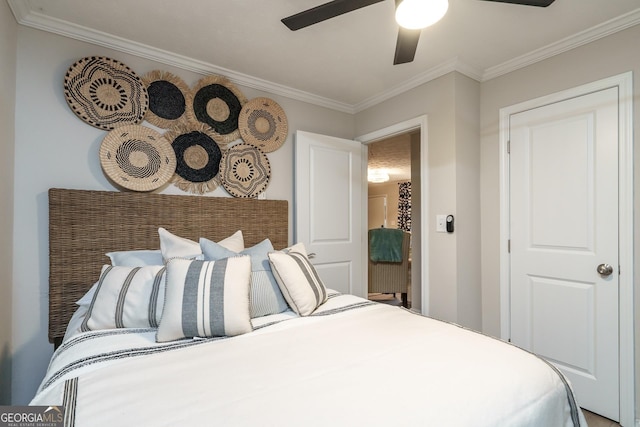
(197,157)
(105,93)
(245,170)
(217,102)
(201,124)
(137,158)
(169,98)
(262,123)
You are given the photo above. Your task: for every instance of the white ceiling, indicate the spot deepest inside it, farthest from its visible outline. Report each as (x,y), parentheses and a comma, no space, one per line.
(344,63)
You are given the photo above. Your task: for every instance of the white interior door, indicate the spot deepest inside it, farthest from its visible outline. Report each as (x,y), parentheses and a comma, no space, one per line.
(328,207)
(377,211)
(564,225)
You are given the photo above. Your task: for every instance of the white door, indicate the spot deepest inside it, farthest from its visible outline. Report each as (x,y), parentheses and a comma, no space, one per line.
(328,207)
(564,225)
(377,211)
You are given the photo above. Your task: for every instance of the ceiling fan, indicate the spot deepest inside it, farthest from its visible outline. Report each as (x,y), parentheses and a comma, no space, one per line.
(407,41)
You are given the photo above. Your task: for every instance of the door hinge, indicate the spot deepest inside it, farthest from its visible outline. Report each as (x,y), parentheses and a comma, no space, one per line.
(509,246)
(509,147)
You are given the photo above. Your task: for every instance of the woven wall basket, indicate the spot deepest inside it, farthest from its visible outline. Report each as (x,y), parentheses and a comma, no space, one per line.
(137,158)
(245,170)
(198,157)
(262,123)
(169,98)
(105,93)
(217,103)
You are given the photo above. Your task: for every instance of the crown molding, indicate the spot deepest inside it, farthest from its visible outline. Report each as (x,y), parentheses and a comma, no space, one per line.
(599,31)
(433,73)
(26,15)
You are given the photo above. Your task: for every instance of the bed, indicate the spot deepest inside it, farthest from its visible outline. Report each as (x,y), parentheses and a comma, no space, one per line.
(341,361)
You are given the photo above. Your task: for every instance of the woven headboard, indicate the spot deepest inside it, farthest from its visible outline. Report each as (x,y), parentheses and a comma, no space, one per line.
(84,225)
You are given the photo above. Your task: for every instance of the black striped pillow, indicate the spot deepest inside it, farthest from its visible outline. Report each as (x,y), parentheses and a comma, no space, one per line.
(206,299)
(127,297)
(299,281)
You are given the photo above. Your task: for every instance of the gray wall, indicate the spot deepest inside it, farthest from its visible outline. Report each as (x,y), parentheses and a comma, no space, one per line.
(467,219)
(53,148)
(452,106)
(8,36)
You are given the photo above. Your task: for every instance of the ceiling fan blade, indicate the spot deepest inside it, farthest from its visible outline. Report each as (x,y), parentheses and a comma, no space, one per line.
(324,12)
(406,45)
(539,3)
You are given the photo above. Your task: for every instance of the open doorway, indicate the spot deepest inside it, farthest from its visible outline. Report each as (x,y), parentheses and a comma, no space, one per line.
(418,129)
(392,164)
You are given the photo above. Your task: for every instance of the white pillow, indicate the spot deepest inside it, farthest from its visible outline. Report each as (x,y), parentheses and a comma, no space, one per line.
(138,258)
(88,297)
(206,299)
(298,280)
(127,297)
(173,246)
(298,247)
(265,297)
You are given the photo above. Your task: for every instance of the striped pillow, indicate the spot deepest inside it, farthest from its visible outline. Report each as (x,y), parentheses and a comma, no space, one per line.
(127,297)
(265,297)
(206,299)
(298,281)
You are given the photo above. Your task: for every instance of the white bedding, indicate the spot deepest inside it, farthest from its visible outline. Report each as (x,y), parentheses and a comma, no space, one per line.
(352,363)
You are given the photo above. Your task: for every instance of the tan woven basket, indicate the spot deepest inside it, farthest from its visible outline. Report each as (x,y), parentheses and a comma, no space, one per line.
(137,158)
(263,123)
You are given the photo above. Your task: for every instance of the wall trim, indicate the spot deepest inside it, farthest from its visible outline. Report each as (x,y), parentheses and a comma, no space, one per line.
(624,82)
(26,14)
(576,40)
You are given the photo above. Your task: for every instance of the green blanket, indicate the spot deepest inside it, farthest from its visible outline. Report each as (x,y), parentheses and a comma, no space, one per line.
(385,244)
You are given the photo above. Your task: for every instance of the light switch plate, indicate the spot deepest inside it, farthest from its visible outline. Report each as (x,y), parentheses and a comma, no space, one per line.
(441,223)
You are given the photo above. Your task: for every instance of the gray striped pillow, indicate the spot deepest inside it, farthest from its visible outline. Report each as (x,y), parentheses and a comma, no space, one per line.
(127,297)
(265,297)
(299,281)
(206,299)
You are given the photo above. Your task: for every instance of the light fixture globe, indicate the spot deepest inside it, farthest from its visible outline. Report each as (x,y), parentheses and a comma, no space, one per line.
(377,175)
(418,14)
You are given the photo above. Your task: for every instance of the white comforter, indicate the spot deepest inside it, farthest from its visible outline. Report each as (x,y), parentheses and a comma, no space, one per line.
(352,363)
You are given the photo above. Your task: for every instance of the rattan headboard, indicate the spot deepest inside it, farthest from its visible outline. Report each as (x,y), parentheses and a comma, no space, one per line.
(84,225)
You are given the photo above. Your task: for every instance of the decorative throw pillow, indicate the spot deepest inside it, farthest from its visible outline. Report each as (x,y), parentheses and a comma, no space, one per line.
(88,297)
(173,246)
(298,281)
(138,258)
(298,247)
(127,297)
(265,297)
(206,299)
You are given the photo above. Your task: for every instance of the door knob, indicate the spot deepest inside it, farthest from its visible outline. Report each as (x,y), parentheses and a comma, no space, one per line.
(605,270)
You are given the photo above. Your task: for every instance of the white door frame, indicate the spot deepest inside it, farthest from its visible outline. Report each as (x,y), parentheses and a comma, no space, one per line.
(387,132)
(624,82)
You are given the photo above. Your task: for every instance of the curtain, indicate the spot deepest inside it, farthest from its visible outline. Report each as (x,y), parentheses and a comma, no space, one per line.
(404,206)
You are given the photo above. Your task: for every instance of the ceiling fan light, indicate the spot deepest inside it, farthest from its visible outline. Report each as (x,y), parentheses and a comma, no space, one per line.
(418,14)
